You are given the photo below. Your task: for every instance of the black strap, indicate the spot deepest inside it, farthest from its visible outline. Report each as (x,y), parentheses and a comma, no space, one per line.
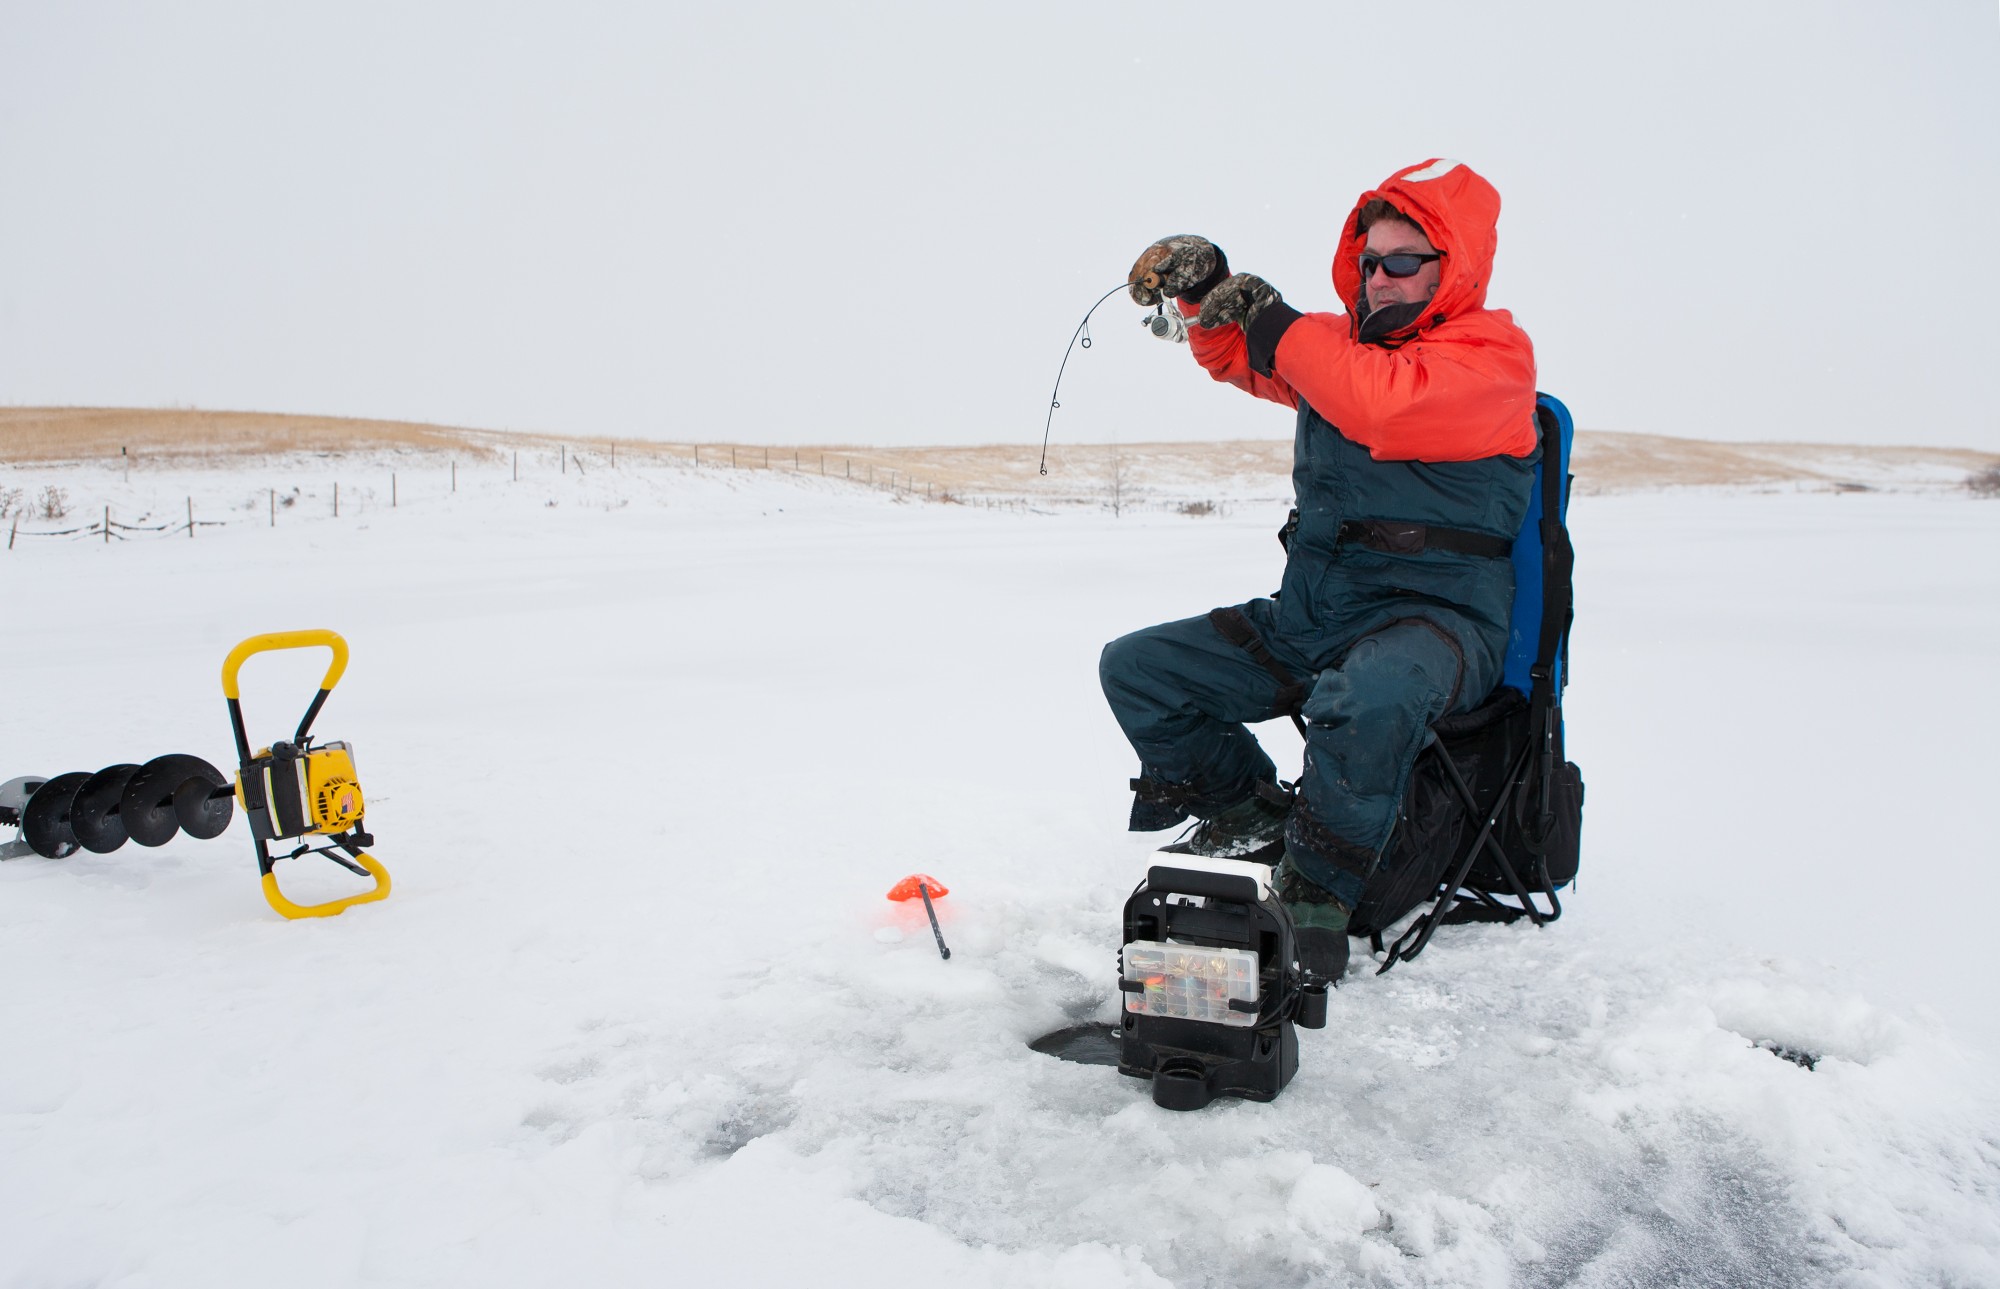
(1183,800)
(1330,847)
(1236,629)
(1394,537)
(1558,610)
(1558,558)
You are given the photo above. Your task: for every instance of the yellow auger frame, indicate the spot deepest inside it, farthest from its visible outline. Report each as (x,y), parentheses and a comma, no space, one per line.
(294,790)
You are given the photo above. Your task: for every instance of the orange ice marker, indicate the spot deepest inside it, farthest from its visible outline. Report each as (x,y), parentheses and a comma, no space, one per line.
(907,888)
(925,886)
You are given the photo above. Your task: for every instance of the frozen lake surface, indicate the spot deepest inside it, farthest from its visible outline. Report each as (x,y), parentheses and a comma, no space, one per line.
(644,751)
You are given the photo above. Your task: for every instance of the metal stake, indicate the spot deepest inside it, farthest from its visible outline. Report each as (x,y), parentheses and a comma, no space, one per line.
(924,890)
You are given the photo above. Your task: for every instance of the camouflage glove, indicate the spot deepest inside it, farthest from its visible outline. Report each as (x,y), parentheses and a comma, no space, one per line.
(1182,267)
(1238,300)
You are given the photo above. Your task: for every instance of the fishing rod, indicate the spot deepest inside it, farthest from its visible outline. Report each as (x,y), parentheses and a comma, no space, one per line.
(1167,326)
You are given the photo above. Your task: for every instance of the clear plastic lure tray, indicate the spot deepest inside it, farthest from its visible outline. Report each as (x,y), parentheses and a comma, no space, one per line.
(1189,982)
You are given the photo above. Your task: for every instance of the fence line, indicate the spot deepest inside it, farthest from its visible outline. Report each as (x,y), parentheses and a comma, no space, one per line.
(891,479)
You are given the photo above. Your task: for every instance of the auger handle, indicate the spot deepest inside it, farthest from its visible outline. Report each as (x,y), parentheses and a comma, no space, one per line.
(276,898)
(266,644)
(284,640)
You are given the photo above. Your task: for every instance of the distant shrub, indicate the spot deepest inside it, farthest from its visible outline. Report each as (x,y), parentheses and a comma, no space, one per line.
(1985,483)
(1197,508)
(53,503)
(9,499)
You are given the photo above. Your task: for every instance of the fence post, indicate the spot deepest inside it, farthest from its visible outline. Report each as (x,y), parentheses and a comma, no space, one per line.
(454,475)
(274,507)
(732,456)
(517,465)
(767,458)
(15,529)
(392,490)
(190,518)
(336,498)
(614,454)
(107,525)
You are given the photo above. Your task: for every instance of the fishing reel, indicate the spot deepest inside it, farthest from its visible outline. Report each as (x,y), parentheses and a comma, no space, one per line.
(1166,326)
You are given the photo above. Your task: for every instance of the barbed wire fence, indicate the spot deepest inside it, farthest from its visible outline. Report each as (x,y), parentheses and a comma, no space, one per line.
(21,513)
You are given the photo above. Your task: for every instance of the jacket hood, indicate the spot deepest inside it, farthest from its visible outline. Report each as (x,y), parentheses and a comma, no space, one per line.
(1458,211)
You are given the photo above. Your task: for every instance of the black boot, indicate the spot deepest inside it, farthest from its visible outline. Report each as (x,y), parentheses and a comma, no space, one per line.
(1320,920)
(1252,829)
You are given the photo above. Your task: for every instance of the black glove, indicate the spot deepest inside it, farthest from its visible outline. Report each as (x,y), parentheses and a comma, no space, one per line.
(1183,267)
(1238,300)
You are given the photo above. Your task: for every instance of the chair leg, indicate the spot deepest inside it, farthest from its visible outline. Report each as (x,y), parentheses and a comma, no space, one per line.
(1491,844)
(1544,887)
(1419,933)
(1451,894)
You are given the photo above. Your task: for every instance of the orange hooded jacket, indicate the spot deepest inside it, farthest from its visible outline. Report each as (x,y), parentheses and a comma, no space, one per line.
(1456,385)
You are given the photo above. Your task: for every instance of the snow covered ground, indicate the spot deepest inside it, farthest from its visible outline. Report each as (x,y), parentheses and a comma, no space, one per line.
(644,750)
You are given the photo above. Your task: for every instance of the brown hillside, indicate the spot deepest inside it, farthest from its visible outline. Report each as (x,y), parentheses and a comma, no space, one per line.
(1605,461)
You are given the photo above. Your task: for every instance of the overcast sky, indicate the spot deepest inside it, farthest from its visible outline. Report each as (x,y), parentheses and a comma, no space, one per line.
(827,222)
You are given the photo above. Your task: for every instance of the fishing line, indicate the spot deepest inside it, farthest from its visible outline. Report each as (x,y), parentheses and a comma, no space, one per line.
(1082,330)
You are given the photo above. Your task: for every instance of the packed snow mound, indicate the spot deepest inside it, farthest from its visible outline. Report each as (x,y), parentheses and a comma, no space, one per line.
(1515,1108)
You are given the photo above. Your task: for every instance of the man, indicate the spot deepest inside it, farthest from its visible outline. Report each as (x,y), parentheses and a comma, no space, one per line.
(1412,465)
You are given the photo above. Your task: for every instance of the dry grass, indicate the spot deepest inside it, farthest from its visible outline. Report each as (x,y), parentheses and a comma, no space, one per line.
(1610,462)
(177,435)
(82,433)
(1604,461)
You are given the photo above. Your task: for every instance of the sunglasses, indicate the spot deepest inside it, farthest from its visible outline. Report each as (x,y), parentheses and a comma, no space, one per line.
(1401,265)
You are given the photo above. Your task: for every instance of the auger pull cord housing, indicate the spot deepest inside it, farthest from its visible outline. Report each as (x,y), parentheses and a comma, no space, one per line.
(295,791)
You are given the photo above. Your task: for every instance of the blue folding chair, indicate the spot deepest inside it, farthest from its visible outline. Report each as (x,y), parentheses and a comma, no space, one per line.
(1489,829)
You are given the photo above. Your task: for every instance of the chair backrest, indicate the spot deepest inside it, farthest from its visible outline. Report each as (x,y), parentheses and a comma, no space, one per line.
(1542,559)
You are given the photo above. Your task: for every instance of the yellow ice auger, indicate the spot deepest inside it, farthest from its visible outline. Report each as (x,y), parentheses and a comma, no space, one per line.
(295,791)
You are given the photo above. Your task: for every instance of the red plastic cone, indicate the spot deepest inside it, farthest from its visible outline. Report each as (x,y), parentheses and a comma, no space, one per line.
(907,888)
